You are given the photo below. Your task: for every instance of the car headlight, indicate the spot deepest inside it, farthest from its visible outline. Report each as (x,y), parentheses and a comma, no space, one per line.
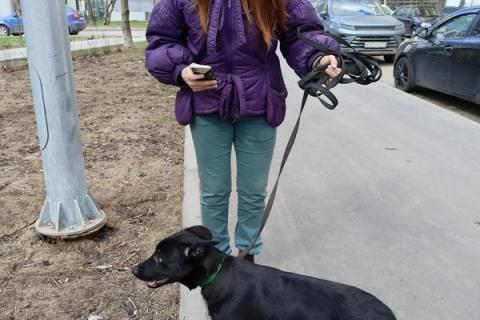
(347,26)
(425,25)
(399,27)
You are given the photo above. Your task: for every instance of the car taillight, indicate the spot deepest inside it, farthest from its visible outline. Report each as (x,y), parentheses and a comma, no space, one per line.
(75,15)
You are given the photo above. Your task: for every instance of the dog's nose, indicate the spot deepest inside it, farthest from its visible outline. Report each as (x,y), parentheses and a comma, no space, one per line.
(136,270)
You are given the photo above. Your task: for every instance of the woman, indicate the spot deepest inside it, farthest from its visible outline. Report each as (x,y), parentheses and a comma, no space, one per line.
(246,101)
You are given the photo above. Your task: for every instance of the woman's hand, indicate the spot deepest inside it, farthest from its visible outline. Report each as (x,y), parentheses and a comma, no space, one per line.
(196,81)
(331,62)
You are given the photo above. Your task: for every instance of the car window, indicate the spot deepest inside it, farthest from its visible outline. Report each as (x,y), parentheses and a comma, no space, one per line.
(476,30)
(400,12)
(357,8)
(455,28)
(69,10)
(425,12)
(430,12)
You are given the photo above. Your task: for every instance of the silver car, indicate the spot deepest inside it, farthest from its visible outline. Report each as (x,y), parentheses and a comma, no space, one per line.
(363,24)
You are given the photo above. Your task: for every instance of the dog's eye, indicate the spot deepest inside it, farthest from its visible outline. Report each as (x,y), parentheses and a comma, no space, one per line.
(157,259)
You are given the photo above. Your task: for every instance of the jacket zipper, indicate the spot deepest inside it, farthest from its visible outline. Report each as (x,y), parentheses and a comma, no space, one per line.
(230,112)
(228,33)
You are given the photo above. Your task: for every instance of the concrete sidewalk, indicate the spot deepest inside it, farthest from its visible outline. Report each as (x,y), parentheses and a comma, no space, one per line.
(21,53)
(192,306)
(381,193)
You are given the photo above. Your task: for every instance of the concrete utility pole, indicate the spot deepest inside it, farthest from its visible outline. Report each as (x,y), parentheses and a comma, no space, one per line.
(68,211)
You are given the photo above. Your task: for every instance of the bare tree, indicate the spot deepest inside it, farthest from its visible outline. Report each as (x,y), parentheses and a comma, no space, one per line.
(127,31)
(16,7)
(109,6)
(92,20)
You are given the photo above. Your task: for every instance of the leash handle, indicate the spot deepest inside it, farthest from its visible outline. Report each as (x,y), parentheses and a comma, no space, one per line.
(356,66)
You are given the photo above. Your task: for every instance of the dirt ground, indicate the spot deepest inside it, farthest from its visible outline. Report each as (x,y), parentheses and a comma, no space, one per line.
(134,165)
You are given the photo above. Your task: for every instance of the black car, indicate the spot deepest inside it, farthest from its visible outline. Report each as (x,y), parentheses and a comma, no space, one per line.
(416,17)
(452,6)
(445,57)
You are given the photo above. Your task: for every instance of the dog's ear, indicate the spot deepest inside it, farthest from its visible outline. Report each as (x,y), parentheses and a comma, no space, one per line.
(198,248)
(201,232)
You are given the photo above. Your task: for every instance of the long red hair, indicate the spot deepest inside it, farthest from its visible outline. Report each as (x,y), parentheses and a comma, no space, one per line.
(270,16)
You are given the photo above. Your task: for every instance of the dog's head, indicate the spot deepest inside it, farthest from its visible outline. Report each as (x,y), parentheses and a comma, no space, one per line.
(176,258)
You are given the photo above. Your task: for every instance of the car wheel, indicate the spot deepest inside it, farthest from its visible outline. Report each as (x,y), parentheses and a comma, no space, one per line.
(4,31)
(389,58)
(414,32)
(403,75)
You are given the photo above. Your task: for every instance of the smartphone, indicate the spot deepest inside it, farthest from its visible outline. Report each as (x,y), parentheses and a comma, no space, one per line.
(203,69)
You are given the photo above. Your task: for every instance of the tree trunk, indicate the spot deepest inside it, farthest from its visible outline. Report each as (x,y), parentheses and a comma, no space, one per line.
(16,7)
(127,31)
(109,6)
(92,20)
(105,10)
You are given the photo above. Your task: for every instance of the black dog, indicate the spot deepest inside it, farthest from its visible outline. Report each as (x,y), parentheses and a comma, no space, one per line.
(239,290)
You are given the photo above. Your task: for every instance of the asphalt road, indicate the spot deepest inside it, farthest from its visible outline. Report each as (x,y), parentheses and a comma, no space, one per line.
(381,193)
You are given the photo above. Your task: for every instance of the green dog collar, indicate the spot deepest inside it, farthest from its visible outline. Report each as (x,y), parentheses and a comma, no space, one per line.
(212,276)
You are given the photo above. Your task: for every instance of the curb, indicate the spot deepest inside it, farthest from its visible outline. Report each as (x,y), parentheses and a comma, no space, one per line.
(21,53)
(192,306)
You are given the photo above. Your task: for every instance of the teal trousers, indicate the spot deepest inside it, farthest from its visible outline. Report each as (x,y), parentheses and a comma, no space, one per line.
(254,141)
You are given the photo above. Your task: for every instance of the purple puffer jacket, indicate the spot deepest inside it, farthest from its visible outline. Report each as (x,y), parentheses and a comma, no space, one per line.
(249,78)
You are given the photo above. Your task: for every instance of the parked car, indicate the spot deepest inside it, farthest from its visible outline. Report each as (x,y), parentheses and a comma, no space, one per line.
(363,24)
(451,7)
(13,24)
(75,21)
(445,57)
(416,17)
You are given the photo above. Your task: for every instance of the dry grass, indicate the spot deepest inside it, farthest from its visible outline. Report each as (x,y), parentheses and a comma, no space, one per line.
(134,161)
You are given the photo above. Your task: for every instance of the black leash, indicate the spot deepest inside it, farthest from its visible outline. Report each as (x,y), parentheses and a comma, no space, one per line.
(356,67)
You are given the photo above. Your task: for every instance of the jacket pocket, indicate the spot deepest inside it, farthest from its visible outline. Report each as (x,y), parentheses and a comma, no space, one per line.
(276,106)
(183,106)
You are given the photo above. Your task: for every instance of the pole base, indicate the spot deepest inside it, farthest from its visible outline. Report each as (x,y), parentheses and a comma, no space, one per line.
(70,219)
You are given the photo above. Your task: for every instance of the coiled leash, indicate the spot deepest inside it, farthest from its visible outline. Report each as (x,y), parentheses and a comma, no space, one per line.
(356,67)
